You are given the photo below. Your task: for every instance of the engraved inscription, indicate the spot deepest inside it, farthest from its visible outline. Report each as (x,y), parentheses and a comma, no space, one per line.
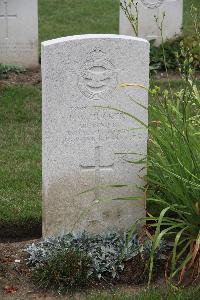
(102,124)
(20,48)
(152,3)
(16,47)
(97,167)
(97,76)
(6,16)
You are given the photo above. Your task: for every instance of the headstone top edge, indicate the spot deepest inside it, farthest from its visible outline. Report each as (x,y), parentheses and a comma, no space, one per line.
(91,37)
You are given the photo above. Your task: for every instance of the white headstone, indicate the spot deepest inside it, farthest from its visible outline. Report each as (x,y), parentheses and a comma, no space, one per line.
(80,140)
(19,32)
(148,12)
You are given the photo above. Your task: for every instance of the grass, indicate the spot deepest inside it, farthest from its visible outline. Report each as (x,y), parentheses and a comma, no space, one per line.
(66,17)
(152,294)
(20,154)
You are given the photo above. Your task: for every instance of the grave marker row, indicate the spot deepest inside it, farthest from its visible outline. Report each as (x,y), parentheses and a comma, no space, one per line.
(19,26)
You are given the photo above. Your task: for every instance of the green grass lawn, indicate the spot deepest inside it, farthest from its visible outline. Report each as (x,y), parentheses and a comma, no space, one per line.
(20,154)
(20,109)
(152,294)
(66,17)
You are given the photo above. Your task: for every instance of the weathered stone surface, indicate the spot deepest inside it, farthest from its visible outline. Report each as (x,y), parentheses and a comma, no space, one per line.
(19,32)
(148,12)
(81,140)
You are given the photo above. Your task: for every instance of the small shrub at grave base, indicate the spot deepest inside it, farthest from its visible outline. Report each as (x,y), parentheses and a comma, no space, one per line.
(65,271)
(157,62)
(111,257)
(171,48)
(6,69)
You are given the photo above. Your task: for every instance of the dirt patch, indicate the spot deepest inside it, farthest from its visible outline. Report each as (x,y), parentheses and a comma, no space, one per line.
(15,282)
(15,275)
(171,75)
(11,231)
(31,77)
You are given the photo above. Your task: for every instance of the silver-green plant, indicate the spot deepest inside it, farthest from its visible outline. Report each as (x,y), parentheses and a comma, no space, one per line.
(103,250)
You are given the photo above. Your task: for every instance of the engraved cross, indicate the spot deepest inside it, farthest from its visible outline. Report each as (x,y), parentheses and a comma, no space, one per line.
(6,17)
(97,167)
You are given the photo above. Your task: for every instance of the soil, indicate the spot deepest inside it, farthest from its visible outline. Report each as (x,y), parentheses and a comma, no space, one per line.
(15,277)
(28,230)
(30,77)
(172,75)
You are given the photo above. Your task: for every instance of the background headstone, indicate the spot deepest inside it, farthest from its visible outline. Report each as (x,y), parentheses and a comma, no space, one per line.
(148,27)
(80,140)
(19,32)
